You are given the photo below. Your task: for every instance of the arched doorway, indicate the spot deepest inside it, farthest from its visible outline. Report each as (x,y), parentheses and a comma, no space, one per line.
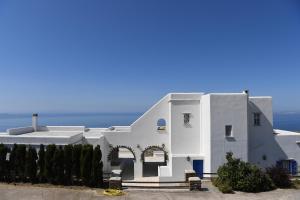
(153,157)
(123,158)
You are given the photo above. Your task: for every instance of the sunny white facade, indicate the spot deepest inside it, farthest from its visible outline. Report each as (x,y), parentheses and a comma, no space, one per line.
(181,131)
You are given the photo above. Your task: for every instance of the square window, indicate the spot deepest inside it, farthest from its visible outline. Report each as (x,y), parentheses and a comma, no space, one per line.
(186,118)
(228,131)
(256,119)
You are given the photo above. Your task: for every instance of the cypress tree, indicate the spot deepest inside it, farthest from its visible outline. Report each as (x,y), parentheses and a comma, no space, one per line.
(50,150)
(20,162)
(68,164)
(12,163)
(86,163)
(30,165)
(76,156)
(97,174)
(41,164)
(58,166)
(7,166)
(3,162)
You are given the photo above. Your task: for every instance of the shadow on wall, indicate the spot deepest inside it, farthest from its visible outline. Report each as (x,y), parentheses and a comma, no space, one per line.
(264,150)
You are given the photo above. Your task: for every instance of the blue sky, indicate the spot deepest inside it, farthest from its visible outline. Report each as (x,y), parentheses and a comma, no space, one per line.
(122,56)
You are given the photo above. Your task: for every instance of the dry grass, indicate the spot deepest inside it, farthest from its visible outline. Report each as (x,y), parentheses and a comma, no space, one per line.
(296,183)
(47,185)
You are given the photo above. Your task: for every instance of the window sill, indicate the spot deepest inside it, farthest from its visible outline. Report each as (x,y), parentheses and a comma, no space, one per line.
(161,131)
(229,137)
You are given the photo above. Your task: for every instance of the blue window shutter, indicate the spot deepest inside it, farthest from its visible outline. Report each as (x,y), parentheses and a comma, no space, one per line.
(294,167)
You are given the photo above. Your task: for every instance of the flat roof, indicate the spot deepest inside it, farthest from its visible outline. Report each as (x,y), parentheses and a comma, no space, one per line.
(43,137)
(51,134)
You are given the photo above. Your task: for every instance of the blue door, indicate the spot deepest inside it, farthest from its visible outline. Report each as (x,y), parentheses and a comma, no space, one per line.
(198,167)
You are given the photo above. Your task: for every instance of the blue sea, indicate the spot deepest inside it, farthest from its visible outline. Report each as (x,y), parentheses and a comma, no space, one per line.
(286,121)
(91,120)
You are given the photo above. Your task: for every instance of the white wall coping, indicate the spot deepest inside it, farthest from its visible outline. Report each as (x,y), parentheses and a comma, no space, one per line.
(285,133)
(227,94)
(54,134)
(260,97)
(188,155)
(20,130)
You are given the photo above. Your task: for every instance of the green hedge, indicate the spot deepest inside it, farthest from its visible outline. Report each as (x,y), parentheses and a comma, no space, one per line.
(71,164)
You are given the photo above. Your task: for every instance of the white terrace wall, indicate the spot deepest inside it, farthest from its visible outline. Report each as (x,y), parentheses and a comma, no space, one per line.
(290,145)
(144,133)
(20,130)
(228,109)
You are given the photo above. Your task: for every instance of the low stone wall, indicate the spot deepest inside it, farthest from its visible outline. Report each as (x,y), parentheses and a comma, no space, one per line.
(115,183)
(194,183)
(188,174)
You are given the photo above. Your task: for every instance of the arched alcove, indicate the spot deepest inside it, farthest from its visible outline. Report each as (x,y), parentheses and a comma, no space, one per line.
(153,157)
(123,157)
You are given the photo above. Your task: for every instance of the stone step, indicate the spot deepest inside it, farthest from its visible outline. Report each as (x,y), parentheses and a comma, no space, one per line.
(155,185)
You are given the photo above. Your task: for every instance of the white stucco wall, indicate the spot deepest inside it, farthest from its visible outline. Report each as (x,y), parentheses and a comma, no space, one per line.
(290,145)
(262,142)
(228,109)
(144,133)
(205,133)
(185,139)
(179,164)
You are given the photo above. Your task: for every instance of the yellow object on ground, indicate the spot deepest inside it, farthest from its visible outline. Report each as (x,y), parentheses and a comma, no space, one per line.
(113,192)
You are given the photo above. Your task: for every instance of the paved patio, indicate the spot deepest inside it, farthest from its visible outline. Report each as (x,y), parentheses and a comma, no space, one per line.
(27,192)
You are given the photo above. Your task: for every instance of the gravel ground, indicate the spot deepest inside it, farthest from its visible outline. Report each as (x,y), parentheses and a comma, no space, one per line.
(28,192)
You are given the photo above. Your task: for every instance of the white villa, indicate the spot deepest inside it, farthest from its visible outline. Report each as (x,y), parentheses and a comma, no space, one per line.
(182,131)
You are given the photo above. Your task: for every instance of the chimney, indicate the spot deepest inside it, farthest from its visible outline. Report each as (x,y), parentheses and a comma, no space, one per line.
(35,121)
(246,92)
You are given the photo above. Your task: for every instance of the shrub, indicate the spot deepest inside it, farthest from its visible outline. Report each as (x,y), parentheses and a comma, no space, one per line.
(50,150)
(279,176)
(243,176)
(68,164)
(41,164)
(86,163)
(255,181)
(97,174)
(215,181)
(30,165)
(76,155)
(225,188)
